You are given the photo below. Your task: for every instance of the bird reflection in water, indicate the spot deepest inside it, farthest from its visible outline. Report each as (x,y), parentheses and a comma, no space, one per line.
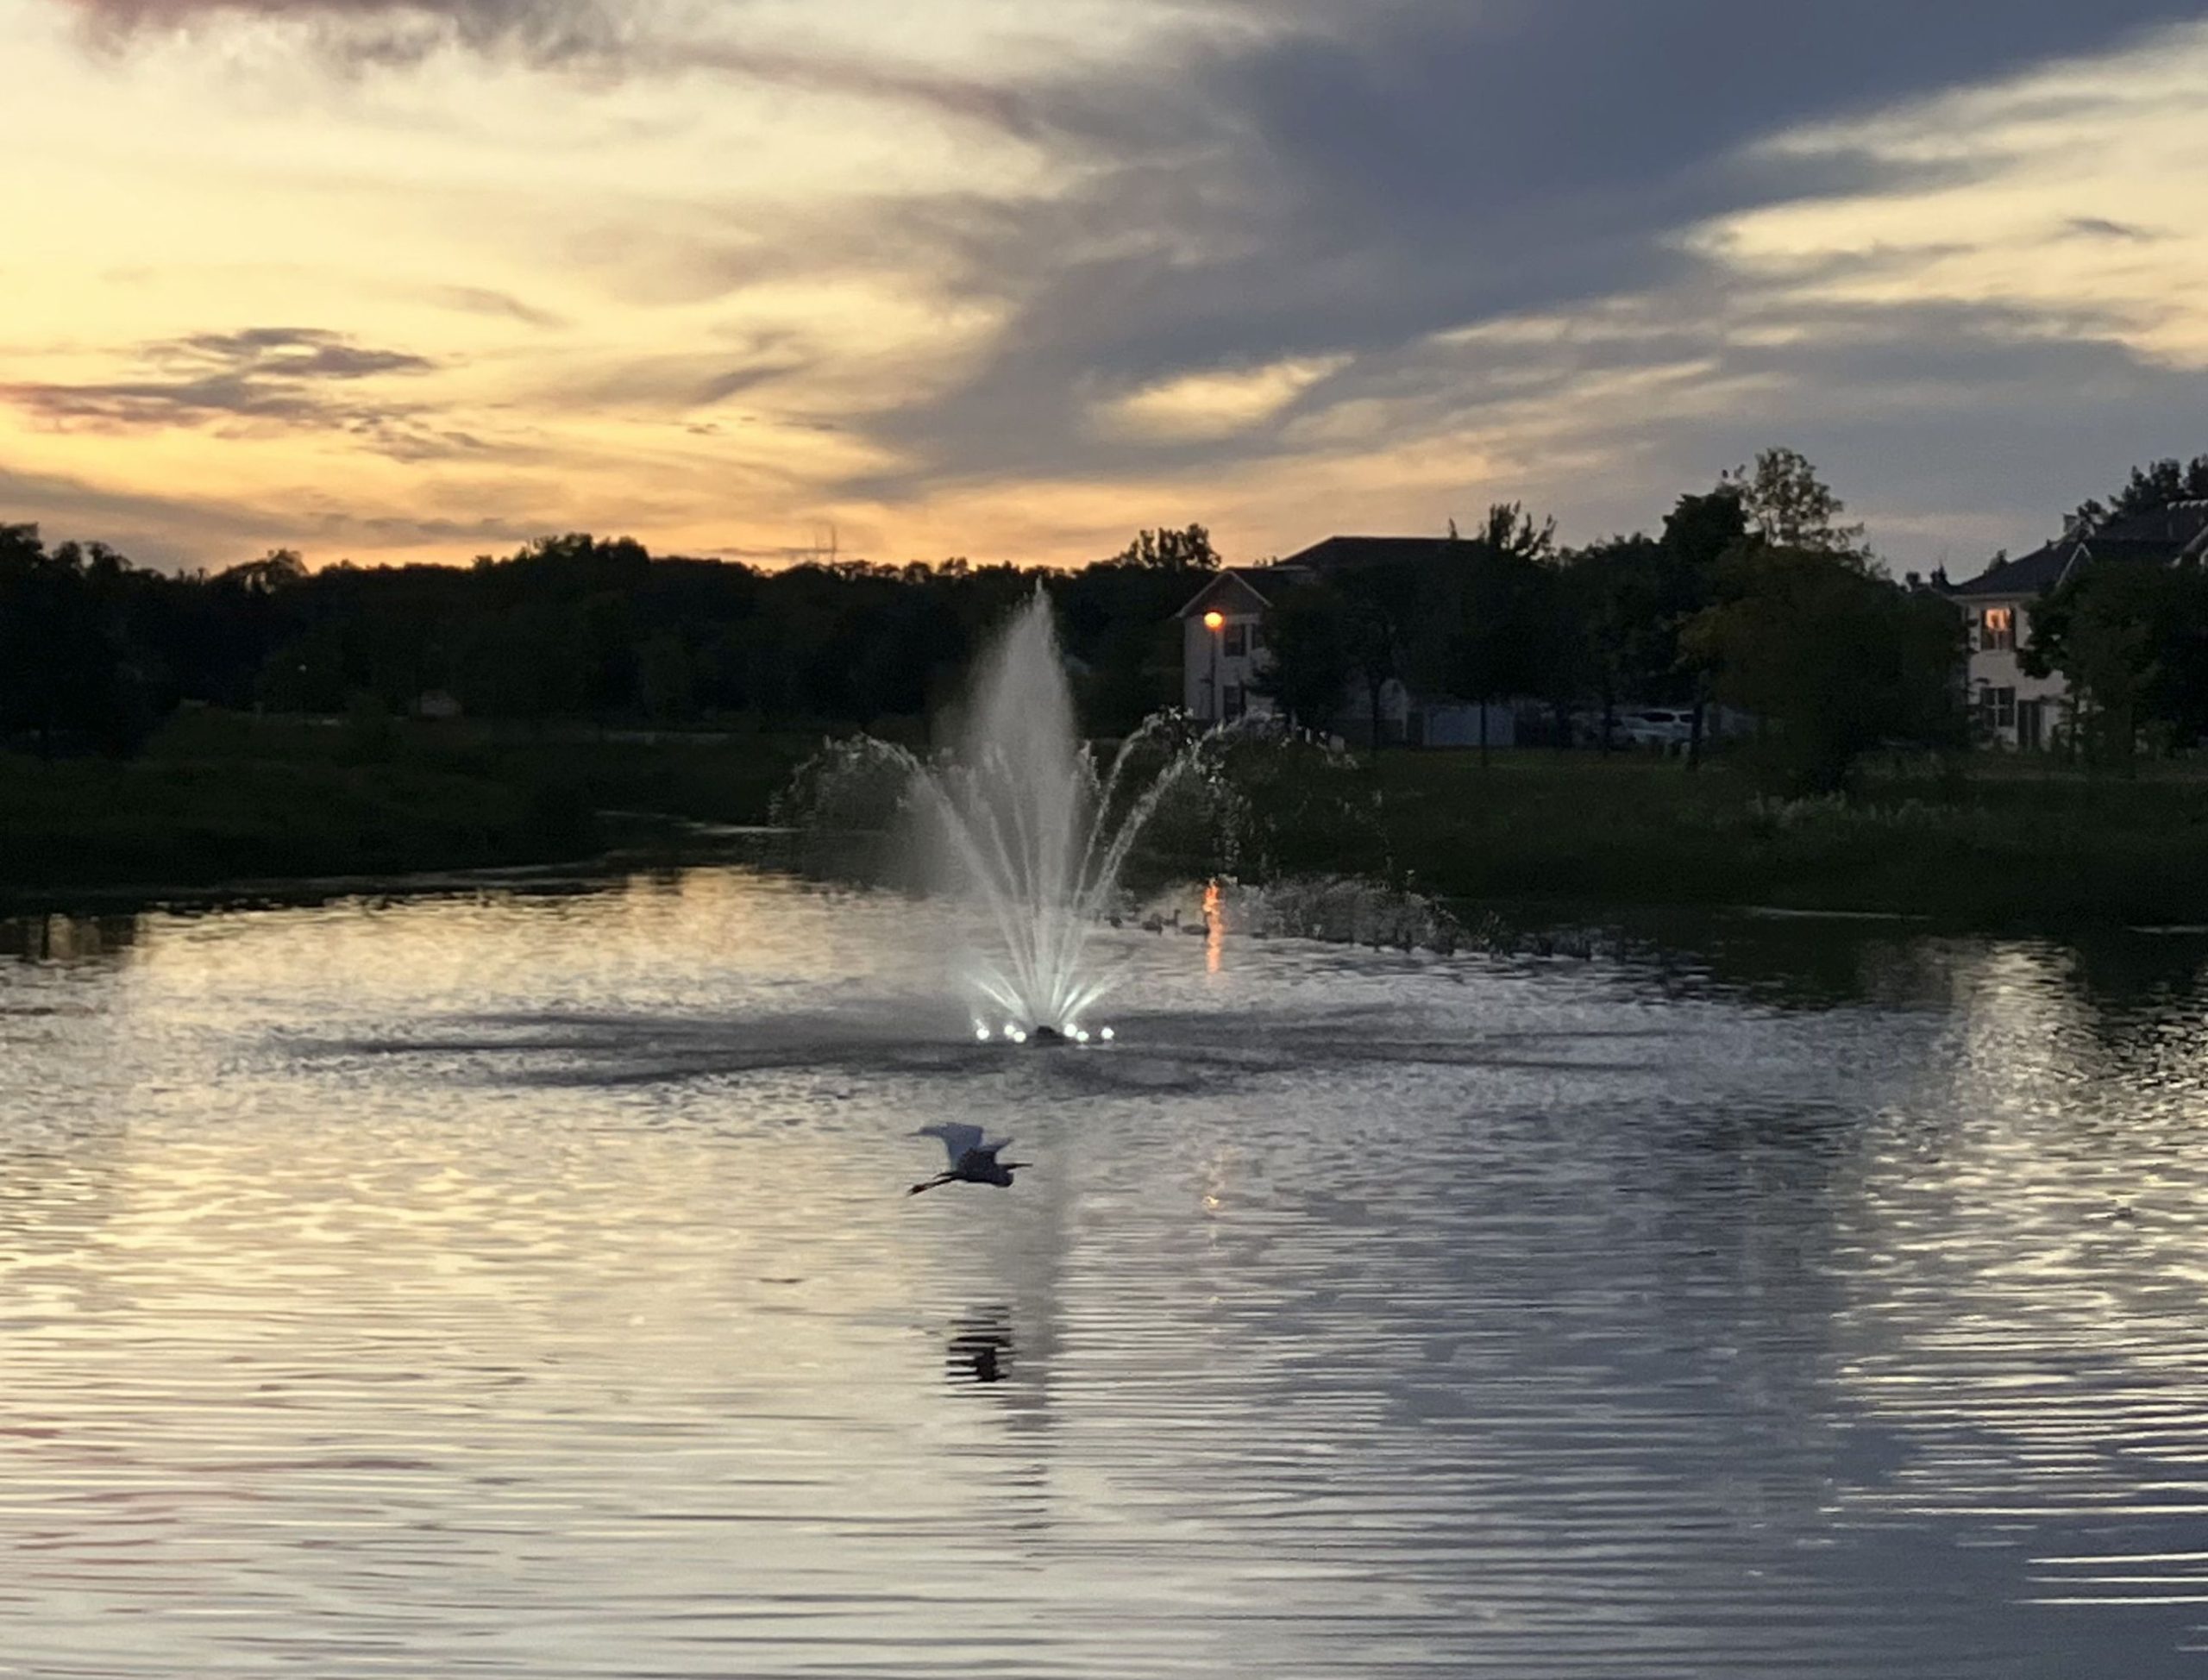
(980,1350)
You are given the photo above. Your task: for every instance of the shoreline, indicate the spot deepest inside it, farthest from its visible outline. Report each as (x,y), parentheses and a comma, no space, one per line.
(227,812)
(595,872)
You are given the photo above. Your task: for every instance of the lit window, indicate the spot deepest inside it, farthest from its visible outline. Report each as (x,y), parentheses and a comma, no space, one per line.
(1238,641)
(1997,630)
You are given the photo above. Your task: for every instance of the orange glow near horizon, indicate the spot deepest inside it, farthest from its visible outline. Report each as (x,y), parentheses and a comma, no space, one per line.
(394,282)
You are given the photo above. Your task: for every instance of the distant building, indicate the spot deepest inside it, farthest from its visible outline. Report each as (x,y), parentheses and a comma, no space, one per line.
(1222,639)
(1222,650)
(2012,708)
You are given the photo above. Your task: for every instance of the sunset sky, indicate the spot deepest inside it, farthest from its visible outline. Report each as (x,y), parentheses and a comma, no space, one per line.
(1009,280)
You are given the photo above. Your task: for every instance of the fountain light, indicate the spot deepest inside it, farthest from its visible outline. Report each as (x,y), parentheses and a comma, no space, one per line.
(1080,1035)
(1104,1033)
(982,1033)
(1017,1036)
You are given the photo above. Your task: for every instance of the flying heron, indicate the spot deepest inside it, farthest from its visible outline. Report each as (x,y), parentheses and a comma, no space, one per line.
(972,1161)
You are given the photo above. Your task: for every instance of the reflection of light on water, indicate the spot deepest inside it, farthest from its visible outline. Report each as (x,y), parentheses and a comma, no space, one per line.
(1218,1167)
(1214,928)
(2025,1269)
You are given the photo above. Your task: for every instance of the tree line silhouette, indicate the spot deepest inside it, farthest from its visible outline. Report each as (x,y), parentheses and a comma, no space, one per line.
(95,651)
(1751,592)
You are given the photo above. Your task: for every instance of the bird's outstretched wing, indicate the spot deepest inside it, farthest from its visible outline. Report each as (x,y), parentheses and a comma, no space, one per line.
(957,1138)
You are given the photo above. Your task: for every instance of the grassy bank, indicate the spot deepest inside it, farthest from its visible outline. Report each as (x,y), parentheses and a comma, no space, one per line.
(2006,844)
(223,797)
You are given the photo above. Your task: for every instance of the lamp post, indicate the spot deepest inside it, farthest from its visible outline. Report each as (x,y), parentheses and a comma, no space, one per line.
(1215,621)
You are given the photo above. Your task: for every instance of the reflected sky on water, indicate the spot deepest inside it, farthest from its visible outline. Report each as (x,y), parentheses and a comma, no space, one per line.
(522,1283)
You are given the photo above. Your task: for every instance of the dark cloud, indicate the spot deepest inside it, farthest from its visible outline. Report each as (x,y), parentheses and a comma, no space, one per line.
(284,354)
(1933,419)
(290,377)
(1357,178)
(1371,175)
(390,30)
(607,41)
(1952,430)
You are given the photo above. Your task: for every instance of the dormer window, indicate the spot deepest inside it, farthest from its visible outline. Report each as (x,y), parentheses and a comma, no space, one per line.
(1996,631)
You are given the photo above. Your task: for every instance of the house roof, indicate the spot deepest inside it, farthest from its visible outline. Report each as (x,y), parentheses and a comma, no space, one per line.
(1344,553)
(2026,574)
(1261,582)
(2181,528)
(2178,531)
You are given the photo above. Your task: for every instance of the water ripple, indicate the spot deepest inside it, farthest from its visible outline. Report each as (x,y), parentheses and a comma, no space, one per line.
(510,1286)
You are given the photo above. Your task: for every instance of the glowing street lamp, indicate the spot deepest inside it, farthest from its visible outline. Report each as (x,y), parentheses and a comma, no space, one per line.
(1215,621)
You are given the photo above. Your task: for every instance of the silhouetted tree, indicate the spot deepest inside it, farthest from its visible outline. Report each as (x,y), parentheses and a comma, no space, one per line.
(1490,629)
(1626,629)
(1699,532)
(1836,660)
(1788,506)
(1509,531)
(1382,606)
(2131,638)
(2151,488)
(1185,550)
(1311,659)
(78,667)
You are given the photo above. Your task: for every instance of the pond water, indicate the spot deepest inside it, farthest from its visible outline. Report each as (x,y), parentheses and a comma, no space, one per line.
(521,1282)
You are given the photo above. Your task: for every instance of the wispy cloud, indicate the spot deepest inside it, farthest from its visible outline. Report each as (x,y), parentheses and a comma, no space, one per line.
(291,377)
(2101,227)
(390,30)
(638,38)
(485,300)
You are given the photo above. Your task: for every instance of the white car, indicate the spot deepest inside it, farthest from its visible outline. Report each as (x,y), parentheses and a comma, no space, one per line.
(1660,727)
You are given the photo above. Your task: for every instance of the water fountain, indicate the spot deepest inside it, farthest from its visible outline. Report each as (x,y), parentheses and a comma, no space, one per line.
(1022,825)
(1018,822)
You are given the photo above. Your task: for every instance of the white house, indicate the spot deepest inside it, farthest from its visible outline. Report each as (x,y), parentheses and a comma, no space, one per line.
(1222,641)
(1222,650)
(2013,708)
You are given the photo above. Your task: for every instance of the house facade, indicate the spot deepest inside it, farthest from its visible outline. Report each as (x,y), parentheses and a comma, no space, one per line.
(2012,708)
(1222,643)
